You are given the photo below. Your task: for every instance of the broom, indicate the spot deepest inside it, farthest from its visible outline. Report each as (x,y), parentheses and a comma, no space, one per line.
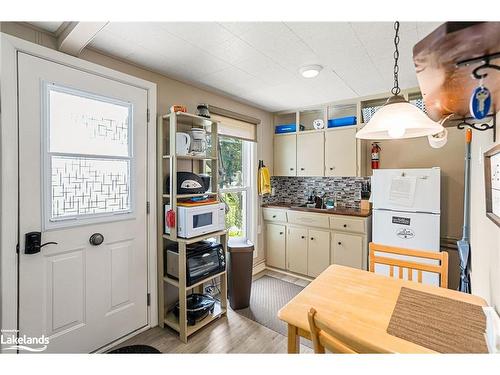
(464,244)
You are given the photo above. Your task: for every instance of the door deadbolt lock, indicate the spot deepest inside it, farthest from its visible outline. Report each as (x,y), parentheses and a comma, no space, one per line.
(33,242)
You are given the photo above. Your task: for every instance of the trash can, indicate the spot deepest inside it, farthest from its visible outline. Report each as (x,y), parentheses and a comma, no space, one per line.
(240,272)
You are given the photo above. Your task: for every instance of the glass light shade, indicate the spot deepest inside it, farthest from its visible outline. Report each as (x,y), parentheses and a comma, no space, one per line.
(398,119)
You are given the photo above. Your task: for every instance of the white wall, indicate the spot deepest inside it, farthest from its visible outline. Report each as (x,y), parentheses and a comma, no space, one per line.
(485,235)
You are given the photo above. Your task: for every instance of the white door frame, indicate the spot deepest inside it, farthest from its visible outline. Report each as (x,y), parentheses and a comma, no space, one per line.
(9,48)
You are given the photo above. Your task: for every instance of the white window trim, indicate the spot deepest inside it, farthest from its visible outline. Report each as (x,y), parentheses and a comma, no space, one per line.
(249,187)
(50,223)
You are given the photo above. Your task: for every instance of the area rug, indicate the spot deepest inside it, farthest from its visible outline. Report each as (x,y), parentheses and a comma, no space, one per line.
(268,296)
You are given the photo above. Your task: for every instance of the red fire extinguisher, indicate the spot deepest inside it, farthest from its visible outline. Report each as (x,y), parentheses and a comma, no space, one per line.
(375,155)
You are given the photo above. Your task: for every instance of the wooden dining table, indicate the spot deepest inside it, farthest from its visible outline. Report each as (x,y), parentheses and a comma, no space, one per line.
(361,301)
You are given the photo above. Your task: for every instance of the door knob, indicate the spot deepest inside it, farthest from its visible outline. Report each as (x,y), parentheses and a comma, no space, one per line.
(33,242)
(96,239)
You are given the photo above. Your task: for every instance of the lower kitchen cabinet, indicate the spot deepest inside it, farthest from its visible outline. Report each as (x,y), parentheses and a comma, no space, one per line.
(276,245)
(296,250)
(318,251)
(306,243)
(347,250)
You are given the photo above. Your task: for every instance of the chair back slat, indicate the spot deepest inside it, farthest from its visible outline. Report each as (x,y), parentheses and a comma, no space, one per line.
(410,265)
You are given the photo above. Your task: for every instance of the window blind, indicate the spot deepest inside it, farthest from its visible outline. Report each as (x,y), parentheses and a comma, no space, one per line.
(231,127)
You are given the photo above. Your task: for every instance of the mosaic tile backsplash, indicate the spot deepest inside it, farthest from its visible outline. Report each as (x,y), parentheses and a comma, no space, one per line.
(345,190)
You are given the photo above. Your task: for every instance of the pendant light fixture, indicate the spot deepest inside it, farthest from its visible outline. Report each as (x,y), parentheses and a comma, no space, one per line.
(398,118)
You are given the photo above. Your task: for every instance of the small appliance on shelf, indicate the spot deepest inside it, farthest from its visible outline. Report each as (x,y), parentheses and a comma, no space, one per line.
(203,259)
(182,143)
(198,306)
(197,220)
(198,144)
(190,183)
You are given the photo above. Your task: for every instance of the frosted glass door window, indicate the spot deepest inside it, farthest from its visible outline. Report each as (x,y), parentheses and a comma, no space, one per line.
(88,154)
(87,125)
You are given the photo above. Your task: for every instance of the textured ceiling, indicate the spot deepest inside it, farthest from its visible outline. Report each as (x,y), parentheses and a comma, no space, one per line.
(258,62)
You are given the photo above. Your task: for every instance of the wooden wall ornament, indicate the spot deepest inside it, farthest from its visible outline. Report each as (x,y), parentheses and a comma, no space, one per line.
(450,60)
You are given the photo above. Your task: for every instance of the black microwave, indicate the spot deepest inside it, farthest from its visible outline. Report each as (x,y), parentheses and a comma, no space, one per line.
(203,259)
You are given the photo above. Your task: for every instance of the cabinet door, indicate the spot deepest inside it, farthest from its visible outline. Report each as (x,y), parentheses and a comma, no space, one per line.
(275,245)
(311,154)
(318,252)
(340,152)
(285,155)
(296,250)
(347,250)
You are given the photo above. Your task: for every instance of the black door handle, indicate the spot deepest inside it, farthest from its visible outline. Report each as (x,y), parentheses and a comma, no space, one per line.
(33,242)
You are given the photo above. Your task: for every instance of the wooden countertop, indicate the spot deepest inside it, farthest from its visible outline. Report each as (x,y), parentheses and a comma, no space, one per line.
(329,211)
(362,302)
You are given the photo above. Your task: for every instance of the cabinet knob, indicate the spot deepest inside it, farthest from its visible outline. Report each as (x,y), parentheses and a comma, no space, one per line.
(302,169)
(291,169)
(281,233)
(332,168)
(302,237)
(312,238)
(345,225)
(274,216)
(339,243)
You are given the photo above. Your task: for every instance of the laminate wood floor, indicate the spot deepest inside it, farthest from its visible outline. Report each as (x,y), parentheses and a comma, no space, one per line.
(232,333)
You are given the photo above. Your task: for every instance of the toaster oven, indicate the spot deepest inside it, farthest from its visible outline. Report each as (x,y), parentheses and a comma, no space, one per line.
(203,259)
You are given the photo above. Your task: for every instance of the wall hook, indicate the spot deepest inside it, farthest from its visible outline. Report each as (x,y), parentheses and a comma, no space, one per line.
(486,60)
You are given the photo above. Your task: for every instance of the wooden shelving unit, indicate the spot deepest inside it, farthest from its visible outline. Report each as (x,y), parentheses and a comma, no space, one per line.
(168,165)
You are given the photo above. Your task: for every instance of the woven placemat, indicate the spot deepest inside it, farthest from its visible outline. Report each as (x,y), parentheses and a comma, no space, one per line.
(438,323)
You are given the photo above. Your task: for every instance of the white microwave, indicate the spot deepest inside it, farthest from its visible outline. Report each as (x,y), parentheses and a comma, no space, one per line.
(197,220)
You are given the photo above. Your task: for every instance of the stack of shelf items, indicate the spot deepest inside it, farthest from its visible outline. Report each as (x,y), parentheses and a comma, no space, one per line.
(168,165)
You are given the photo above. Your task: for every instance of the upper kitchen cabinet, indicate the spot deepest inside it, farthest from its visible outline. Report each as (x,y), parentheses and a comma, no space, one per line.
(340,152)
(310,154)
(285,155)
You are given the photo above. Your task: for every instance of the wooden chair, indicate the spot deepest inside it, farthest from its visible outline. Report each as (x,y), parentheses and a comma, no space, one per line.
(441,269)
(329,335)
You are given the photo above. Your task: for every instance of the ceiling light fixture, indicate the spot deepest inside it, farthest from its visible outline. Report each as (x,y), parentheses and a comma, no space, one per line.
(398,118)
(310,71)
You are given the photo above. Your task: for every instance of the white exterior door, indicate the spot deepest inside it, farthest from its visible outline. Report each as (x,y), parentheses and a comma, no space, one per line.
(82,171)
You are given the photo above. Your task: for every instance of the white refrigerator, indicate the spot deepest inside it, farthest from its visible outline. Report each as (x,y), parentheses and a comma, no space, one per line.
(406,213)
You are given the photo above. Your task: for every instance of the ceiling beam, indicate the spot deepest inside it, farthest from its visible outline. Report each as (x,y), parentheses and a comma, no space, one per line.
(75,37)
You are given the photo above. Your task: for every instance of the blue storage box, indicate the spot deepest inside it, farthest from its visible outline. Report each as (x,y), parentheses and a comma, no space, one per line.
(286,128)
(342,121)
